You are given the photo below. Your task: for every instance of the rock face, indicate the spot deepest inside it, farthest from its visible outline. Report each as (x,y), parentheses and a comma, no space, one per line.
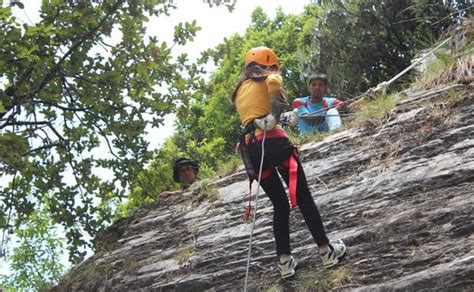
(400,193)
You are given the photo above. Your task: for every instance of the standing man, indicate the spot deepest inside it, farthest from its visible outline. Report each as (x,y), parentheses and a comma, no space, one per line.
(317,112)
(185,172)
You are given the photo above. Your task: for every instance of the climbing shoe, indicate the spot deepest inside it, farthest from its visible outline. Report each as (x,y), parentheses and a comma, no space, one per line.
(335,252)
(287,269)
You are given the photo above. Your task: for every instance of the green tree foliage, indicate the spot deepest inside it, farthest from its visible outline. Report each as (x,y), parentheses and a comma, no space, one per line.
(68,95)
(230,4)
(36,261)
(157,177)
(364,42)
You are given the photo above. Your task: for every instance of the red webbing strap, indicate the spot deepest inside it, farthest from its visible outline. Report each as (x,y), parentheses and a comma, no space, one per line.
(293,170)
(272,134)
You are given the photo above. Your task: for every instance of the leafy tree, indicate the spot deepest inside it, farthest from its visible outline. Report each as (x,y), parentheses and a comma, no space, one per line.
(71,95)
(36,261)
(157,177)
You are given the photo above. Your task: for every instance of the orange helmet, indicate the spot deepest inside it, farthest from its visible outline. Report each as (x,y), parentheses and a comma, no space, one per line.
(262,56)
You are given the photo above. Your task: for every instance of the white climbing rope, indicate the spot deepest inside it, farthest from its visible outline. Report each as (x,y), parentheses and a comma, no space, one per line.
(255,209)
(386,84)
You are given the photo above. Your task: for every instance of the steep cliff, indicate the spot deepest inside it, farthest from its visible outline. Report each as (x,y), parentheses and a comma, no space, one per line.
(398,190)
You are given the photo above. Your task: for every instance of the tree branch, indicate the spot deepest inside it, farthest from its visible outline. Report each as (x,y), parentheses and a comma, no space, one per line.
(85,37)
(71,163)
(34,264)
(58,135)
(53,71)
(106,140)
(46,136)
(103,135)
(49,146)
(24,123)
(66,86)
(11,117)
(72,109)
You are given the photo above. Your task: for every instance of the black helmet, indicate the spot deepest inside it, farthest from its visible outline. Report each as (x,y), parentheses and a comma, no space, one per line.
(180,162)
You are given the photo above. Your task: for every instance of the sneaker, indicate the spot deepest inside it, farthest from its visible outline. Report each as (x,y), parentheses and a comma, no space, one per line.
(337,249)
(287,269)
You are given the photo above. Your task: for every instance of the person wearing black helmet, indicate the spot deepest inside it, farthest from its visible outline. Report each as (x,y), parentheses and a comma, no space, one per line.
(185,172)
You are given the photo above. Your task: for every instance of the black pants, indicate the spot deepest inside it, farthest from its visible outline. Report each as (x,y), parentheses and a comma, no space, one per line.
(278,150)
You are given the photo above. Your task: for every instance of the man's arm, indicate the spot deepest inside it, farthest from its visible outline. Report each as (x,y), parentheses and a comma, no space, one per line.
(303,111)
(339,105)
(300,106)
(278,97)
(304,114)
(166,194)
(315,119)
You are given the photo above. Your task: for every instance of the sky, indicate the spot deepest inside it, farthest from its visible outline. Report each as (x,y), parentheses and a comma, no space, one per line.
(216,23)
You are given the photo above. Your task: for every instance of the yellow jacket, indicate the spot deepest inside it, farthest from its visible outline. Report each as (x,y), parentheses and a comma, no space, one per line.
(253,98)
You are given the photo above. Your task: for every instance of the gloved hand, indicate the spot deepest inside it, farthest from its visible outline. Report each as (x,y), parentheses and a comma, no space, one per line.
(266,123)
(294,117)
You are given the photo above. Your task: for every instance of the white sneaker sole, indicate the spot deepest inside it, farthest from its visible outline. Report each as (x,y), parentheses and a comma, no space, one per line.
(288,275)
(292,273)
(336,260)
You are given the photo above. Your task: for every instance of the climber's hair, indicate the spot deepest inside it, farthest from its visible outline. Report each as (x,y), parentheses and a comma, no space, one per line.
(249,72)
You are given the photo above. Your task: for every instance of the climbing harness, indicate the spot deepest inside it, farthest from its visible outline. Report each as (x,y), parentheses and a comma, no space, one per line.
(291,163)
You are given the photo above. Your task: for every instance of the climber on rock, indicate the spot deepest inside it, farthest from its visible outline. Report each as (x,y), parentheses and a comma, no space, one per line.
(259,98)
(185,172)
